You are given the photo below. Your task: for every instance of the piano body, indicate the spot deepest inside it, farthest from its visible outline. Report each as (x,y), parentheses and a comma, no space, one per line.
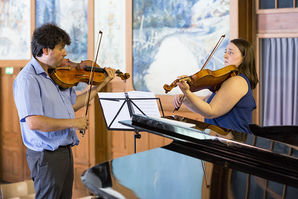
(203,161)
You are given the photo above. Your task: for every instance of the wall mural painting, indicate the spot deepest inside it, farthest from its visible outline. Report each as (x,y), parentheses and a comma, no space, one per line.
(70,15)
(110,19)
(175,37)
(15,29)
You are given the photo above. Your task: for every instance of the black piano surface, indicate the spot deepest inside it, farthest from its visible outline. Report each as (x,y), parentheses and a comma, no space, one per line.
(203,161)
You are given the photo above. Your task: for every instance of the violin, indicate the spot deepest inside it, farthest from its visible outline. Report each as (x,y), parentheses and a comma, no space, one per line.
(69,74)
(205,79)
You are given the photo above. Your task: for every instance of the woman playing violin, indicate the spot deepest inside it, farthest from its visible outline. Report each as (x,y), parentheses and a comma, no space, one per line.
(232,104)
(47,114)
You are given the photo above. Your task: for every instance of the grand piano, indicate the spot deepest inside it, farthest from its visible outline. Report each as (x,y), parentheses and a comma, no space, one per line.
(203,161)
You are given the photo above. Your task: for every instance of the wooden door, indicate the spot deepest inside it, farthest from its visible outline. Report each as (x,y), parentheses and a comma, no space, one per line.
(13,160)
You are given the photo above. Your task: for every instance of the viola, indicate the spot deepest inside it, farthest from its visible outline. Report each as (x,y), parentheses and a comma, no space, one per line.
(205,79)
(69,74)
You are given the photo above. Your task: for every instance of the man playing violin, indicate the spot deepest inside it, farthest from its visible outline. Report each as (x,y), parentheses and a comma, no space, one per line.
(231,106)
(47,114)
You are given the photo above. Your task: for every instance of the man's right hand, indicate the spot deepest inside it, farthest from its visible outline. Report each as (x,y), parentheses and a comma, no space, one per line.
(81,123)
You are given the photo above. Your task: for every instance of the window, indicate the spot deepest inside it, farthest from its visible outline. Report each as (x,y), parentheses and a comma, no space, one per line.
(272,4)
(267,4)
(285,4)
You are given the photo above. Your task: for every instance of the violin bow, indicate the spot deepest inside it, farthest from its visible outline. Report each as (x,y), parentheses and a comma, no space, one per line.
(91,77)
(206,62)
(213,51)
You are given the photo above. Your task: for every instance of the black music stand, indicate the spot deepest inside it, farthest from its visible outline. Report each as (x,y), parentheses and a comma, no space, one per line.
(131,105)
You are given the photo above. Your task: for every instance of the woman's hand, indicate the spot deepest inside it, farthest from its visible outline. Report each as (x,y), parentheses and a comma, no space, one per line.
(178,100)
(182,83)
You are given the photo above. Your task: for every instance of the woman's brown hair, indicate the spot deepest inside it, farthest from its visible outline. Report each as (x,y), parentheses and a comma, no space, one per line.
(248,66)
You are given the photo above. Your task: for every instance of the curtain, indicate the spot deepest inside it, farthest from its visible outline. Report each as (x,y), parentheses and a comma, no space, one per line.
(279,81)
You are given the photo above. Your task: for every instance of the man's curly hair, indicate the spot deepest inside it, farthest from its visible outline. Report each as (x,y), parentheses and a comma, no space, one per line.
(48,36)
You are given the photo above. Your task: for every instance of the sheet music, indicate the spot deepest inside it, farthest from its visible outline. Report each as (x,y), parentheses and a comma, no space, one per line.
(149,107)
(111,106)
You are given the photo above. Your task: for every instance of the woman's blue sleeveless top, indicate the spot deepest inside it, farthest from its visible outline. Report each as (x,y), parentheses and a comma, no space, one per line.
(240,116)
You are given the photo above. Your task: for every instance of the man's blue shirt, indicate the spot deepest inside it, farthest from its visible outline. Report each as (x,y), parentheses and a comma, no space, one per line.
(35,93)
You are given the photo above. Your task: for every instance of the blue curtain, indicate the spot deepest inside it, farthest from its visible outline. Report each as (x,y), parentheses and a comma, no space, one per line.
(279,81)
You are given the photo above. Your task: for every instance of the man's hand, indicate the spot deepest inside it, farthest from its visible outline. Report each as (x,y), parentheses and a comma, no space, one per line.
(81,123)
(111,74)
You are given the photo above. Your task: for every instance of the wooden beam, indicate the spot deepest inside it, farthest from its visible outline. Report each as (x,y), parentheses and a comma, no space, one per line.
(278,23)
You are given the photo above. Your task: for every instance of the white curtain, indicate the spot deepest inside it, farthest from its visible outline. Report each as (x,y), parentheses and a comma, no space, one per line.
(279,81)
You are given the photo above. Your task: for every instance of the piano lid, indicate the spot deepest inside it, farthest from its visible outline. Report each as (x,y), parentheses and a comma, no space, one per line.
(266,158)
(194,131)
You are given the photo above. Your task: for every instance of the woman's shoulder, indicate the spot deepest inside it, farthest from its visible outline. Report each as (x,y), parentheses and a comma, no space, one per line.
(237,79)
(235,83)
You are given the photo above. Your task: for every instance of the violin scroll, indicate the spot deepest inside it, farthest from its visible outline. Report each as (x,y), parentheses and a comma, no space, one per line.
(123,76)
(168,88)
